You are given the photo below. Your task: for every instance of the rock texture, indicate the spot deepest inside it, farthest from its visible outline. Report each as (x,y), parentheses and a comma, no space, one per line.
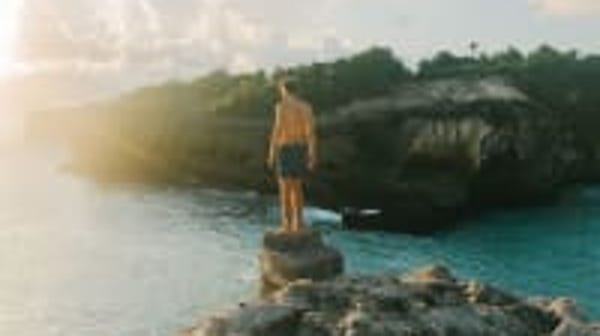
(437,151)
(287,257)
(429,302)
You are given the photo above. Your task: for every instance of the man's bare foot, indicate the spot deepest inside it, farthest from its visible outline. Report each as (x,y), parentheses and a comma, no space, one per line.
(285,228)
(298,227)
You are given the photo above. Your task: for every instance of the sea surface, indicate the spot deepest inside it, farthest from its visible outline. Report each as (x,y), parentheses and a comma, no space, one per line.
(79,259)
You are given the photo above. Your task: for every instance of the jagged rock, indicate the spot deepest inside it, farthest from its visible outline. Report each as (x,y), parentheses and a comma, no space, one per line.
(434,273)
(256,320)
(570,327)
(287,257)
(482,293)
(315,324)
(469,320)
(536,320)
(565,308)
(428,302)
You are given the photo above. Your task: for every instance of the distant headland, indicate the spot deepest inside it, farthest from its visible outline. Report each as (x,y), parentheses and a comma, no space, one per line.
(453,138)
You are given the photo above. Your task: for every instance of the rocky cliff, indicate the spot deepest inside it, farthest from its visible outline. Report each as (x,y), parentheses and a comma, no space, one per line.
(427,154)
(435,151)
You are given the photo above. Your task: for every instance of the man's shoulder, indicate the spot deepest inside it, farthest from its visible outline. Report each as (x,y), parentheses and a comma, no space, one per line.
(304,105)
(294,103)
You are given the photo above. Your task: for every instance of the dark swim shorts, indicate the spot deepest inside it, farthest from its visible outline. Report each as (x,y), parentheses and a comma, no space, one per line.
(292,160)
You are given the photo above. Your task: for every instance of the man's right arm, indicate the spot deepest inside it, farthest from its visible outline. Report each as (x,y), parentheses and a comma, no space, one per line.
(312,139)
(275,134)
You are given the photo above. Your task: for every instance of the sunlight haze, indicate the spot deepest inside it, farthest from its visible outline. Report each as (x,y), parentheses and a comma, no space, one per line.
(8,33)
(107,46)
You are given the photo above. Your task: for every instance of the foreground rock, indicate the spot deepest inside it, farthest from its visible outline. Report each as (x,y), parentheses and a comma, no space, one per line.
(429,302)
(287,257)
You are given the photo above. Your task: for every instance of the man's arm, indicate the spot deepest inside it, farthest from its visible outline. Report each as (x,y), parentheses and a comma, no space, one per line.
(275,134)
(312,138)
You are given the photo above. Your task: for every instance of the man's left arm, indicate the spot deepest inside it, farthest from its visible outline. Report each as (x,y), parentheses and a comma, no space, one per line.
(275,134)
(312,139)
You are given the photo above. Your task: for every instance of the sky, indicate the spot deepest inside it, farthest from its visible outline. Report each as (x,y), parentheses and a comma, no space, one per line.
(103,46)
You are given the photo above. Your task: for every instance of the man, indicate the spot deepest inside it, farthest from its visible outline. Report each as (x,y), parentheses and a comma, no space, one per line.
(292,152)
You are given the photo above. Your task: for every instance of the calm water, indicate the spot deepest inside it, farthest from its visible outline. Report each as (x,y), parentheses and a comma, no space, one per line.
(77,259)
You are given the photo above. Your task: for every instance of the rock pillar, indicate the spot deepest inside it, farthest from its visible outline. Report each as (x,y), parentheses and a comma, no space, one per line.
(286,257)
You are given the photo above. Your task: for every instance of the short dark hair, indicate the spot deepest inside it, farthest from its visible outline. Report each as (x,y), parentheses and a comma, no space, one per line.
(290,83)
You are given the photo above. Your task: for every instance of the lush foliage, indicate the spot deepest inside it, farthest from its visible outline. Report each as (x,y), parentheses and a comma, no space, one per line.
(214,129)
(563,82)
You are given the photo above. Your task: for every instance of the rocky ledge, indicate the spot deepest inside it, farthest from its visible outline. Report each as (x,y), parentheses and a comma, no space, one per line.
(428,302)
(309,296)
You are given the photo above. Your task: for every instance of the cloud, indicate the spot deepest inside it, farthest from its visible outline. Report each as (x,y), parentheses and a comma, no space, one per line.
(115,45)
(568,7)
(131,33)
(128,43)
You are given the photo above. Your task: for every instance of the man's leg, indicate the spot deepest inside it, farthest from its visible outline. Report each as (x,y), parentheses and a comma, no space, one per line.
(285,205)
(297,205)
(290,205)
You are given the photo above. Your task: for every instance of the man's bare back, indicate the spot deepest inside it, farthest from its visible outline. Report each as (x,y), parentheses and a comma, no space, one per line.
(296,121)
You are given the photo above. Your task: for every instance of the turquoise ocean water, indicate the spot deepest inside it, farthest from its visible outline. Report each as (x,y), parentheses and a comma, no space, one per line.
(80,259)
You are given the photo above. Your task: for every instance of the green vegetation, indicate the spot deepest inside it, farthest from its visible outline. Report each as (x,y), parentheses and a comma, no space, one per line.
(564,82)
(214,130)
(423,165)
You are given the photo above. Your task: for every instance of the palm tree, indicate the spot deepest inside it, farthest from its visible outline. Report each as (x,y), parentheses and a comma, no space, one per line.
(473,46)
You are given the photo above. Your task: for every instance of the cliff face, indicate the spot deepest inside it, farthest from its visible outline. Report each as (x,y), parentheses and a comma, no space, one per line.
(438,150)
(428,302)
(428,154)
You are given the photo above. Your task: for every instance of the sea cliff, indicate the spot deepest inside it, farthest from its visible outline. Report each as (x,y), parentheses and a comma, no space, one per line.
(458,137)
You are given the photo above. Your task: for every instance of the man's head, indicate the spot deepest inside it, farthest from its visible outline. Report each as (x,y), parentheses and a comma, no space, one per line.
(287,86)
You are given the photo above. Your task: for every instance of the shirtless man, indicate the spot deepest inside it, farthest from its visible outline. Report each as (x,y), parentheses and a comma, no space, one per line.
(292,152)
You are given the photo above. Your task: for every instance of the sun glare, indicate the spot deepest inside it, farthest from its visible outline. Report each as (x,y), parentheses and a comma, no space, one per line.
(9,14)
(8,34)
